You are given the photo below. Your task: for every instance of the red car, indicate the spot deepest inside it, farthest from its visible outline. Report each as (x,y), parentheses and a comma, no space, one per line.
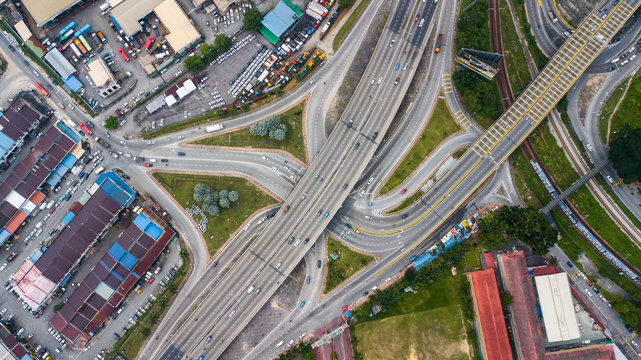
(589,283)
(415,20)
(345,308)
(151,280)
(403,191)
(148,165)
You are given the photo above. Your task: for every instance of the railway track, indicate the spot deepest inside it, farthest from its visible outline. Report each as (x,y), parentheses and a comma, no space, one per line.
(507,98)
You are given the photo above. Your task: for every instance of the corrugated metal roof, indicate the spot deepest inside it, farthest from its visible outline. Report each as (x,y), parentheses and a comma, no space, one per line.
(557,307)
(60,63)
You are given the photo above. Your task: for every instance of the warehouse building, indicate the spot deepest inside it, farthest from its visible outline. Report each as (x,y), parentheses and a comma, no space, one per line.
(102,78)
(21,193)
(181,32)
(87,220)
(528,338)
(44,11)
(109,282)
(557,307)
(64,68)
(490,326)
(16,124)
(280,19)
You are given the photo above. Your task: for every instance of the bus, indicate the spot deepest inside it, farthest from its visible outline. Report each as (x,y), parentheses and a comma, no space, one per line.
(85,128)
(85,29)
(85,43)
(72,25)
(67,35)
(79,45)
(66,44)
(42,90)
(75,50)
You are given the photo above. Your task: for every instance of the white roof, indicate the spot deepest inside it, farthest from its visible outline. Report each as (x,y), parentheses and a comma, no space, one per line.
(170,100)
(128,12)
(557,307)
(29,207)
(15,199)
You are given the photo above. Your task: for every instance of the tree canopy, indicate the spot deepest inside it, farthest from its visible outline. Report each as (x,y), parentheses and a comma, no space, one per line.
(625,154)
(222,42)
(194,63)
(208,52)
(213,201)
(111,122)
(272,127)
(251,20)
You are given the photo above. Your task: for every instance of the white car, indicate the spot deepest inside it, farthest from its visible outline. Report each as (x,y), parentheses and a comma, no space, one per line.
(3,267)
(297,243)
(264,158)
(275,168)
(151,142)
(589,147)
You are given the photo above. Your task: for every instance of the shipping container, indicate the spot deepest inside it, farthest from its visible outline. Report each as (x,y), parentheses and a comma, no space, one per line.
(85,29)
(72,25)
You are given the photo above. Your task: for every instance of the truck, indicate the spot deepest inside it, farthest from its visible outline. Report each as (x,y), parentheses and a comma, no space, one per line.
(113,154)
(212,128)
(552,17)
(438,44)
(77,169)
(99,170)
(102,142)
(101,37)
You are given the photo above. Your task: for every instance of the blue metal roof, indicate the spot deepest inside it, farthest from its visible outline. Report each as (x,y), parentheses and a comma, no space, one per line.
(73,83)
(67,219)
(5,143)
(116,188)
(153,230)
(128,261)
(4,235)
(141,221)
(65,130)
(116,251)
(279,19)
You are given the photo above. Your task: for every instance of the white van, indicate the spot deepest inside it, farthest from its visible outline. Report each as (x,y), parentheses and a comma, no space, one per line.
(152,160)
(279,344)
(251,288)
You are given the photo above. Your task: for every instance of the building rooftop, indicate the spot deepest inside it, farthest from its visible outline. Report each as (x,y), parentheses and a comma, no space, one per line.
(11,348)
(15,122)
(280,19)
(98,73)
(39,276)
(489,315)
(60,63)
(44,10)
(557,307)
(102,290)
(597,352)
(181,31)
(128,12)
(528,337)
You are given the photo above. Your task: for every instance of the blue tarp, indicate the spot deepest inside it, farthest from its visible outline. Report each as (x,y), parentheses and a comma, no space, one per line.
(67,219)
(113,20)
(279,19)
(128,261)
(65,279)
(141,221)
(73,83)
(153,230)
(65,130)
(116,251)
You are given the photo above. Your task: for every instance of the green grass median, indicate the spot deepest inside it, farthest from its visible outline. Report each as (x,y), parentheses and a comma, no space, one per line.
(349,24)
(221,227)
(346,264)
(293,143)
(440,126)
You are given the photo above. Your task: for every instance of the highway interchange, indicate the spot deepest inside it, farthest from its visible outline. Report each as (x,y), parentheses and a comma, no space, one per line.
(337,162)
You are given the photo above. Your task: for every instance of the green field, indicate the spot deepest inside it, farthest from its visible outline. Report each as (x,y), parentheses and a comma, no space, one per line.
(608,109)
(219,228)
(440,126)
(514,54)
(293,143)
(347,263)
(407,202)
(425,325)
(627,115)
(349,24)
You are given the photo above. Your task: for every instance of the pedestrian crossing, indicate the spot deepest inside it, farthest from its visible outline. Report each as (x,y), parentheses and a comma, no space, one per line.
(461,118)
(447,83)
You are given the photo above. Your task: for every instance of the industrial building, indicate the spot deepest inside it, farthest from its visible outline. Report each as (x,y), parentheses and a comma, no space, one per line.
(109,282)
(64,68)
(557,308)
(526,329)
(87,220)
(490,326)
(16,124)
(44,11)
(102,78)
(279,20)
(11,348)
(50,159)
(181,33)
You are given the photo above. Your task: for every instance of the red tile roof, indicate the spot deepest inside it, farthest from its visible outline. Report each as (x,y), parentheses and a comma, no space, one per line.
(604,352)
(489,260)
(489,314)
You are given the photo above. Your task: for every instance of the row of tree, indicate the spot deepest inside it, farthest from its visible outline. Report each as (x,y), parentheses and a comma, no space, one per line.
(272,127)
(213,201)
(208,53)
(625,154)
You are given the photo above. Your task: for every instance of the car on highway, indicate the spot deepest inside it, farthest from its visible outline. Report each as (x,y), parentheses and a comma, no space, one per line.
(403,216)
(11,257)
(275,168)
(232,313)
(291,240)
(345,187)
(309,279)
(374,135)
(316,176)
(302,304)
(208,339)
(303,197)
(306,241)
(297,243)
(357,146)
(264,158)
(403,191)
(345,308)
(3,267)
(151,142)
(148,165)
(180,153)
(326,215)
(413,258)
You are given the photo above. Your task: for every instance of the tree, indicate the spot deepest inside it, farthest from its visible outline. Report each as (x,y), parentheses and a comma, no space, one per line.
(233,196)
(259,129)
(278,132)
(625,154)
(210,198)
(111,122)
(344,4)
(208,52)
(506,299)
(194,63)
(252,19)
(223,194)
(200,190)
(224,202)
(222,42)
(57,307)
(211,209)
(145,331)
